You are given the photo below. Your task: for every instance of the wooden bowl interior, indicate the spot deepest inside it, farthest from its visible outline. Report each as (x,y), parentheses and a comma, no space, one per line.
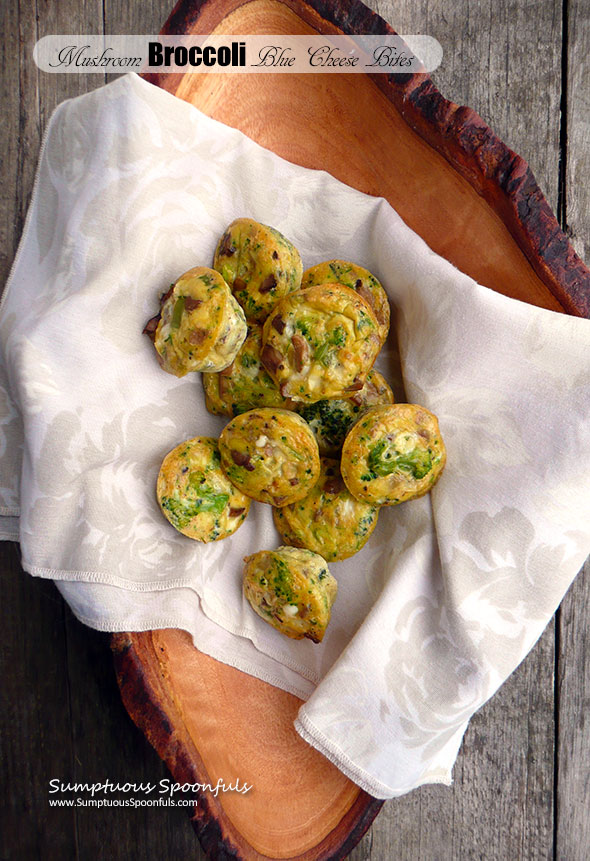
(344,124)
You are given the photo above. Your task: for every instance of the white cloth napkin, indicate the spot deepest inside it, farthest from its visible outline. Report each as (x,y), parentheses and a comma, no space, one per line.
(134,187)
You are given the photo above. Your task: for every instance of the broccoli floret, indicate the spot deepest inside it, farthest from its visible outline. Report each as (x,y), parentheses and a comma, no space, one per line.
(331,419)
(384,459)
(182,511)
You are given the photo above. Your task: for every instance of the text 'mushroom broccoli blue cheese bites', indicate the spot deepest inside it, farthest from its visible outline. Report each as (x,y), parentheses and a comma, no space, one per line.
(291,589)
(320,342)
(259,264)
(196,496)
(271,455)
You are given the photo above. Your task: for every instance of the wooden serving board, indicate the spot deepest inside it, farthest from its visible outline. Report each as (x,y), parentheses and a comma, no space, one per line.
(476,203)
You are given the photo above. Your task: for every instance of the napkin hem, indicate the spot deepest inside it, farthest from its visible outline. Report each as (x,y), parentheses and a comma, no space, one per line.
(165,623)
(165,586)
(316,738)
(107,579)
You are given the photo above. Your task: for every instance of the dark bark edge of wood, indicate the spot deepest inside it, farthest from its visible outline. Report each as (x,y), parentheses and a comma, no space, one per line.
(458,133)
(155,714)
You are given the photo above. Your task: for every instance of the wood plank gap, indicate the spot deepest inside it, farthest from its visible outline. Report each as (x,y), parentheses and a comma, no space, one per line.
(556,727)
(563,105)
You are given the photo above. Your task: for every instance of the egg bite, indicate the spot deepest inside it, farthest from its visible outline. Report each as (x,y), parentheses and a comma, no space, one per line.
(201,327)
(392,454)
(259,264)
(291,589)
(329,520)
(320,342)
(357,278)
(196,496)
(271,455)
(330,420)
(243,385)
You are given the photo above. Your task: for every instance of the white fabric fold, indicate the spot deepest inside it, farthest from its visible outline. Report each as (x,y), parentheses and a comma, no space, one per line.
(134,187)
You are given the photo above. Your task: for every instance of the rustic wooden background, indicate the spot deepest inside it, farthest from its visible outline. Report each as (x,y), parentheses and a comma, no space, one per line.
(522,779)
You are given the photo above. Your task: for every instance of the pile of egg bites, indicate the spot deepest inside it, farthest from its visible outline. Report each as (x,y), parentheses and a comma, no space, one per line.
(314,432)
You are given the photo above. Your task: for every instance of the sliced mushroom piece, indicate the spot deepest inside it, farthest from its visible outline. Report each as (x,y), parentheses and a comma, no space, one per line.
(190,304)
(271,358)
(241,459)
(278,324)
(267,285)
(151,326)
(301,351)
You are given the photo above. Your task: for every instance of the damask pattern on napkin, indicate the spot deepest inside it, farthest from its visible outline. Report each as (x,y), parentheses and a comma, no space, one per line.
(134,187)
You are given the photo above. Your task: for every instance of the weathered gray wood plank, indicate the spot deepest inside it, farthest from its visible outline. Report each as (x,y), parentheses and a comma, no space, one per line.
(573,742)
(577,184)
(21,132)
(35,713)
(573,775)
(108,745)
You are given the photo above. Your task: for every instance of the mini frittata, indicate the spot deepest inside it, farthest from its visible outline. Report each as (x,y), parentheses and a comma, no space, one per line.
(359,279)
(245,384)
(330,420)
(392,454)
(292,590)
(259,264)
(271,455)
(329,521)
(320,342)
(201,326)
(196,496)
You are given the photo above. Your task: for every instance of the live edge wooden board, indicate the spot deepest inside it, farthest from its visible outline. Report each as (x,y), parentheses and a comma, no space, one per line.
(476,203)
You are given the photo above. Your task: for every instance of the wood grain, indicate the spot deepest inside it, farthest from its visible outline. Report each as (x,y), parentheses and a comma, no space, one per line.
(35,712)
(573,740)
(35,689)
(577,140)
(62,714)
(22,135)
